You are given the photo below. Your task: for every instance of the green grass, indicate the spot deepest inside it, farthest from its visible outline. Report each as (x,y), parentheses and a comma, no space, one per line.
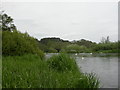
(62,62)
(0,72)
(29,71)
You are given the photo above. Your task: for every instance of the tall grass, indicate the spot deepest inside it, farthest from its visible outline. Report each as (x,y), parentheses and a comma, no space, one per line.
(62,62)
(29,71)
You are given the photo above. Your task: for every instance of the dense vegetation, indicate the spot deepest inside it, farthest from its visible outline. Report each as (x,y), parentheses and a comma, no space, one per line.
(62,63)
(24,65)
(29,71)
(15,42)
(21,43)
(55,45)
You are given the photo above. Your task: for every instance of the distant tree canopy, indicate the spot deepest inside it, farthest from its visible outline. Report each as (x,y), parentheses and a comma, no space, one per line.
(56,45)
(85,43)
(53,44)
(111,47)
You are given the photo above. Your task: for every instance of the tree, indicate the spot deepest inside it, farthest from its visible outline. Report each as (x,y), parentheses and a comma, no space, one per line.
(16,43)
(85,43)
(6,22)
(105,40)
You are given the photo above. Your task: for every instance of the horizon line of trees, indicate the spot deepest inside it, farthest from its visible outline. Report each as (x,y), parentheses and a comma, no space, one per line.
(16,43)
(80,46)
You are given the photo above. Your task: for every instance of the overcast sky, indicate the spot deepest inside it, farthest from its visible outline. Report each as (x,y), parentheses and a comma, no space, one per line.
(67,20)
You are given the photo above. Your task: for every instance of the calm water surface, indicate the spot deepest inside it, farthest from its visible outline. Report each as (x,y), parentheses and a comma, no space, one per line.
(106,68)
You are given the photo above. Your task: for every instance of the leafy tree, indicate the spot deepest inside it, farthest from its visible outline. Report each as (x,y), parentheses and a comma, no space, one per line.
(6,22)
(85,43)
(53,44)
(15,42)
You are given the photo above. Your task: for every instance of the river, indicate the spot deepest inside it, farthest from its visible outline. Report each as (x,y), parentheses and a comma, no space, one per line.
(106,68)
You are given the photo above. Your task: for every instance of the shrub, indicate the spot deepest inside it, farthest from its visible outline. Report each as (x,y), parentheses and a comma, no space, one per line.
(16,43)
(62,62)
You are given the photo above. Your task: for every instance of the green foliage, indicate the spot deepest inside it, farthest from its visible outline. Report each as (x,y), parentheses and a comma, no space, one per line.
(74,48)
(62,62)
(16,43)
(106,47)
(6,23)
(29,71)
(52,50)
(0,71)
(88,81)
(85,43)
(23,71)
(52,44)
(0,40)
(56,45)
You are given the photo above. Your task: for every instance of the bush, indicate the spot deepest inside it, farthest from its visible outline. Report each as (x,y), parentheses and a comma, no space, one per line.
(16,43)
(62,62)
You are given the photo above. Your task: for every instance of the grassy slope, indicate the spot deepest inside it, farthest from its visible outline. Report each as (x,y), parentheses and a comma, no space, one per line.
(29,71)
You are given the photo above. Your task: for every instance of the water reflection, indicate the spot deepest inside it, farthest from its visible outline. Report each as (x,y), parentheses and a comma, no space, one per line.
(105,67)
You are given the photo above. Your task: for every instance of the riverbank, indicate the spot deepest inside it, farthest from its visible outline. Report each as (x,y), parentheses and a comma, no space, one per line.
(48,55)
(30,71)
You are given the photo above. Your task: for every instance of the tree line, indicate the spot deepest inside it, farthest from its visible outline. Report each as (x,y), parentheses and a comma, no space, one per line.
(16,43)
(56,45)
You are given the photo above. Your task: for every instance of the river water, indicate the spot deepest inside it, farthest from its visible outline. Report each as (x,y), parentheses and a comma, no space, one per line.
(106,68)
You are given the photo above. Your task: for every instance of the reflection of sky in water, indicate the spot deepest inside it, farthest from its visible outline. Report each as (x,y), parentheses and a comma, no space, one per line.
(106,69)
